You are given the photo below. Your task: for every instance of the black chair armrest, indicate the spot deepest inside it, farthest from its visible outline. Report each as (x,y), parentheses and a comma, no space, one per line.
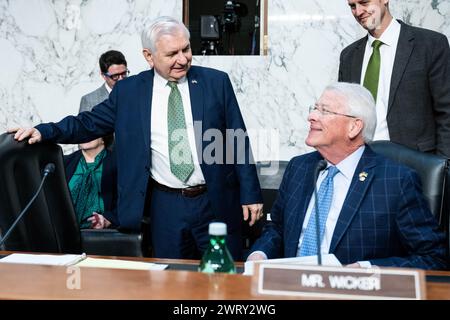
(111,242)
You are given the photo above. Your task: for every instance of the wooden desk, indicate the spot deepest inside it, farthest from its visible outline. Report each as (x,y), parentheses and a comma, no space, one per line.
(49,282)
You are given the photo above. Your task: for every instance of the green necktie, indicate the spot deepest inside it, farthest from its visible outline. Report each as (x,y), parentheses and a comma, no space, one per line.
(373,70)
(180,155)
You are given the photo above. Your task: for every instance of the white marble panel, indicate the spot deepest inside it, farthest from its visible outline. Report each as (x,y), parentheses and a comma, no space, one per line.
(50,50)
(305,40)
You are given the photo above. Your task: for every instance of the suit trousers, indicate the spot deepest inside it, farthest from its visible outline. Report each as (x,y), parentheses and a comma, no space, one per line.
(179,226)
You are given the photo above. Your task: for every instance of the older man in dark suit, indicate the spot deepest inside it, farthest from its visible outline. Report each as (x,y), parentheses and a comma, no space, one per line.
(407,69)
(371,210)
(164,120)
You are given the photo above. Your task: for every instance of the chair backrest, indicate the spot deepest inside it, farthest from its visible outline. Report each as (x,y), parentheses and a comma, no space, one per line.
(270,174)
(50,224)
(445,219)
(432,170)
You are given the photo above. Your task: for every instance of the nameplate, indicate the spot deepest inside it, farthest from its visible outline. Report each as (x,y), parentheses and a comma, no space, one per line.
(339,282)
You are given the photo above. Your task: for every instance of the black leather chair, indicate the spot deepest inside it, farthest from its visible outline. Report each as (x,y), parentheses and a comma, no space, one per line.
(432,170)
(446,212)
(270,174)
(113,242)
(50,224)
(434,174)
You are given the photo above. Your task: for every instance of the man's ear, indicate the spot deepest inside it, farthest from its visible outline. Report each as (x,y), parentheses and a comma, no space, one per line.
(355,129)
(148,56)
(102,75)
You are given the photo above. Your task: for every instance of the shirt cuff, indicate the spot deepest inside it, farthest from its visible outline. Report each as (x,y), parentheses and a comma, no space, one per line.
(364,264)
(260,252)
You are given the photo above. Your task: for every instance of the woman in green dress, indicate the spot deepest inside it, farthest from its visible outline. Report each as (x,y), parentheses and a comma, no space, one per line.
(92,178)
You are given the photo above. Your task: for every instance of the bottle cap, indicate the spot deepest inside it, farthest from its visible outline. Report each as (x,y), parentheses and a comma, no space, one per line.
(217,229)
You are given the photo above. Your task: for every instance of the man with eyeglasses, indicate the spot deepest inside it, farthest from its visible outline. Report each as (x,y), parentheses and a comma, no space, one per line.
(371,210)
(113,67)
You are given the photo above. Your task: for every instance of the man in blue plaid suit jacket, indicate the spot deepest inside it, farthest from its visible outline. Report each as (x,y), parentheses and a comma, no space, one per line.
(378,215)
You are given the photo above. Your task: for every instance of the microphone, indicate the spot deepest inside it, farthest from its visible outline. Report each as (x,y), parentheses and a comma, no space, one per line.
(320,166)
(49,168)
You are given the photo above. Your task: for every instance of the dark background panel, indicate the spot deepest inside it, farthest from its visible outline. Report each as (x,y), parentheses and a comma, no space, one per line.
(237,32)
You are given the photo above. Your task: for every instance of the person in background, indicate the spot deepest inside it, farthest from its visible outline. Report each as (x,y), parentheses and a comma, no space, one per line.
(166,169)
(92,178)
(371,209)
(407,69)
(113,67)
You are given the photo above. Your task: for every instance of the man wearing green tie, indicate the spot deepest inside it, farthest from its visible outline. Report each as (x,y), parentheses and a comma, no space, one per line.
(161,119)
(407,70)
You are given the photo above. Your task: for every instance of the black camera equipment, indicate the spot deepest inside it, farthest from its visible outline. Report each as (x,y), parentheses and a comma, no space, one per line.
(231,19)
(215,27)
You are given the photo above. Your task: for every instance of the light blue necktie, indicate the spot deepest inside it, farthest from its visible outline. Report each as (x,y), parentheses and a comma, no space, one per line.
(324,199)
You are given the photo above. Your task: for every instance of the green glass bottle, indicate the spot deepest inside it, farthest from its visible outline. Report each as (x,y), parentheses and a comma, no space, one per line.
(217,258)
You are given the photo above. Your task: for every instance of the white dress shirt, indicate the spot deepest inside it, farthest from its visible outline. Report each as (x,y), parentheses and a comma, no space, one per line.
(387,55)
(160,169)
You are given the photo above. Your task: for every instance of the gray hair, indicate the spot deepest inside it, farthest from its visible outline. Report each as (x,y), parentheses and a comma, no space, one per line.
(359,103)
(159,27)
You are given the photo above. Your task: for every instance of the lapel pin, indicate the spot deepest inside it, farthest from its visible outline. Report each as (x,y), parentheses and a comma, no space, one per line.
(194,81)
(362,176)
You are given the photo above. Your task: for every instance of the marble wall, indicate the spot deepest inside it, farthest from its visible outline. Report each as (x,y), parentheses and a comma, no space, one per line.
(50,49)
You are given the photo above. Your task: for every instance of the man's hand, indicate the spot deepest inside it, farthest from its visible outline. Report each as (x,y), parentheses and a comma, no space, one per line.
(23,133)
(256,212)
(98,221)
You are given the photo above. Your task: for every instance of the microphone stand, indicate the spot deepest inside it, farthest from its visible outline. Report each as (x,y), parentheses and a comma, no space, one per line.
(320,166)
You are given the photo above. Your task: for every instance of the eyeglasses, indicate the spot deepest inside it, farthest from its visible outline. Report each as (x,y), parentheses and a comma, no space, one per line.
(116,76)
(325,112)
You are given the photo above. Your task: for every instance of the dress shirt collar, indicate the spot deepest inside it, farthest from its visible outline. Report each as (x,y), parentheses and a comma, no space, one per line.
(160,82)
(389,36)
(348,166)
(108,88)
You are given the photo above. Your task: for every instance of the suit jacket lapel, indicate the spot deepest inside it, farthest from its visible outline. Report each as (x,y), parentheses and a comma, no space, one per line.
(356,194)
(404,48)
(357,61)
(196,89)
(145,94)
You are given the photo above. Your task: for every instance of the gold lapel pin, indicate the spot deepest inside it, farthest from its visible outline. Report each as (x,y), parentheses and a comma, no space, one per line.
(362,176)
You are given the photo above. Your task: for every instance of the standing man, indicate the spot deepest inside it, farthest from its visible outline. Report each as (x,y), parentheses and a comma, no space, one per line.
(371,209)
(163,168)
(113,67)
(407,70)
